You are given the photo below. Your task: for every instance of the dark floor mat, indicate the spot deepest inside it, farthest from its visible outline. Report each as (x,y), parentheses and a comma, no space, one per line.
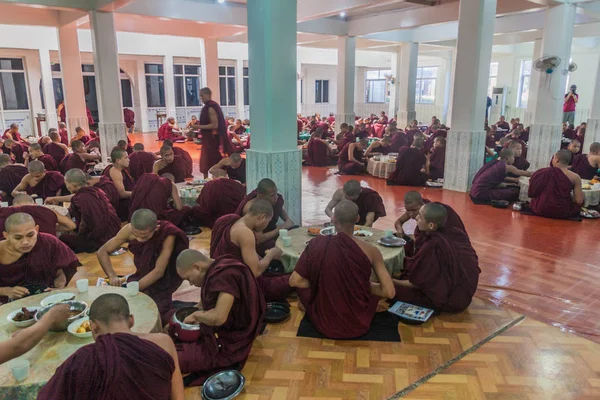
(384,328)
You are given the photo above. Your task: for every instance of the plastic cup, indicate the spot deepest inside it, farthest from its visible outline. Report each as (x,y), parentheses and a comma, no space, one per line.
(133,288)
(287,241)
(4,204)
(20,370)
(82,285)
(388,233)
(39,201)
(283,233)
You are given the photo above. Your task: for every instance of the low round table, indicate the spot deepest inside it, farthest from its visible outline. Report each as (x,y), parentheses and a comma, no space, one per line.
(382,168)
(591,197)
(187,196)
(393,256)
(56,347)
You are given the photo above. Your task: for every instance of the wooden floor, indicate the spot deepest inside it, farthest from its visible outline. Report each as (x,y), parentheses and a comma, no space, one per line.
(539,282)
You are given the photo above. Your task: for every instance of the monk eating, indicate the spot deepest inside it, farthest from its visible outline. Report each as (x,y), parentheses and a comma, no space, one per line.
(586,165)
(124,182)
(80,135)
(520,162)
(140,161)
(444,271)
(231,317)
(382,146)
(170,130)
(219,196)
(45,218)
(267,190)
(170,164)
(29,258)
(490,183)
(369,202)
(63,133)
(339,307)
(96,219)
(437,158)
(411,166)
(17,150)
(120,362)
(550,189)
(10,177)
(55,148)
(344,137)
(13,133)
(155,246)
(101,182)
(79,158)
(187,158)
(502,124)
(40,182)
(351,161)
(318,151)
(36,153)
(574,147)
(234,166)
(399,138)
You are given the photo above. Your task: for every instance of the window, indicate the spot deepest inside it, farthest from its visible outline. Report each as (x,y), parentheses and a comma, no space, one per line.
(246,87)
(13,87)
(524,82)
(376,86)
(126,93)
(155,85)
(322,91)
(227,85)
(187,85)
(493,80)
(426,77)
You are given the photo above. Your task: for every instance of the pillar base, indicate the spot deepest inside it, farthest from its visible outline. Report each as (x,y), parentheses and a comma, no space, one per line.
(544,141)
(592,134)
(405,118)
(341,118)
(74,122)
(464,157)
(110,134)
(285,169)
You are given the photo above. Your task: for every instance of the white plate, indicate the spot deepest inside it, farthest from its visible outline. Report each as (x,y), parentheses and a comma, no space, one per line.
(330,230)
(56,298)
(23,324)
(434,184)
(59,209)
(362,232)
(73,326)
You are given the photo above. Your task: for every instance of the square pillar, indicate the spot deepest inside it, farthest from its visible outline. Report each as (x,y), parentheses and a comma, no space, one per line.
(169,86)
(346,69)
(534,84)
(592,133)
(272,59)
(406,83)
(48,90)
(239,88)
(210,67)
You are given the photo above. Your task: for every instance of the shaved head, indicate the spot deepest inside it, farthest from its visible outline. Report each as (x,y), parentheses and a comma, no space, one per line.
(54,136)
(36,167)
(435,213)
(122,144)
(76,177)
(168,176)
(219,173)
(363,142)
(413,198)
(188,258)
(165,149)
(77,144)
(17,219)
(346,213)
(168,142)
(144,219)
(352,189)
(417,142)
(138,147)
(117,154)
(236,157)
(206,91)
(23,200)
(109,307)
(266,186)
(563,157)
(9,142)
(505,154)
(4,160)
(35,147)
(260,207)
(595,148)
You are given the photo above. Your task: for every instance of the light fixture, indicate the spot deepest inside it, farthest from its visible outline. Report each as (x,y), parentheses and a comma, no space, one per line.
(343,14)
(221,1)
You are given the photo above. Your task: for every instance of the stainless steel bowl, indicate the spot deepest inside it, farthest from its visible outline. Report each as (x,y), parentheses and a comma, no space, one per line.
(63,325)
(224,385)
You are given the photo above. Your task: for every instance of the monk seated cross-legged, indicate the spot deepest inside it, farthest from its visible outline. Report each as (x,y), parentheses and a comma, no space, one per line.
(155,246)
(81,136)
(55,148)
(45,218)
(124,182)
(219,196)
(351,161)
(575,148)
(382,146)
(79,158)
(36,153)
(10,177)
(140,161)
(120,364)
(40,182)
(234,166)
(437,158)
(369,202)
(411,166)
(520,162)
(318,151)
(339,307)
(444,271)
(170,164)
(231,317)
(184,155)
(550,189)
(492,183)
(586,165)
(170,130)
(13,133)
(31,261)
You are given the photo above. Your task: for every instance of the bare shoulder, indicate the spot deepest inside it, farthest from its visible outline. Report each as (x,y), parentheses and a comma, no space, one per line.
(160,339)
(370,250)
(247,207)
(240,230)
(338,194)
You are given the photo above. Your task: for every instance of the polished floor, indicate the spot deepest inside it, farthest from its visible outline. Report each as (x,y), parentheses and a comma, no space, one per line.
(540,274)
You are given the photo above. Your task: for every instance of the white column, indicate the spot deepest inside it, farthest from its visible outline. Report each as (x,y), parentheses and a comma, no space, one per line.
(534,84)
(169,85)
(48,89)
(239,88)
(298,84)
(346,70)
(448,89)
(592,133)
(272,60)
(466,140)
(142,119)
(394,92)
(72,79)
(108,82)
(210,67)
(406,82)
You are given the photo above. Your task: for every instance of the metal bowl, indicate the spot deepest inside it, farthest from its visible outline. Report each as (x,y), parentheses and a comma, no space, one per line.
(184,332)
(62,326)
(391,241)
(224,385)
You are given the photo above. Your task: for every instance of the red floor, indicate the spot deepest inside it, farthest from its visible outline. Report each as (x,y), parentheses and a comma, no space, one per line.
(544,268)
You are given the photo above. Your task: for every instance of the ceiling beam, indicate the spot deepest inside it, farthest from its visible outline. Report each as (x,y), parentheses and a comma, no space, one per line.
(68,4)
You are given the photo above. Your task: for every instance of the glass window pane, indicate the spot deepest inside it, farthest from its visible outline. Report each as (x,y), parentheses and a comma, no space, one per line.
(126,93)
(192,70)
(155,91)
(87,68)
(428,91)
(55,67)
(179,102)
(223,90)
(230,71)
(325,91)
(525,92)
(527,68)
(318,91)
(192,91)
(178,69)
(14,91)
(247,91)
(430,72)
(376,91)
(58,90)
(153,68)
(246,71)
(11,63)
(372,74)
(494,69)
(231,91)
(419,72)
(222,71)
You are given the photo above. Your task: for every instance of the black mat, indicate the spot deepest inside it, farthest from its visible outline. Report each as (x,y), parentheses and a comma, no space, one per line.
(384,328)
(577,217)
(480,202)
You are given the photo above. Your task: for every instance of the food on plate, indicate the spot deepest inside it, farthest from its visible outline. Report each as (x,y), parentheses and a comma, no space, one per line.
(314,231)
(594,181)
(586,187)
(74,313)
(360,234)
(24,315)
(356,228)
(84,328)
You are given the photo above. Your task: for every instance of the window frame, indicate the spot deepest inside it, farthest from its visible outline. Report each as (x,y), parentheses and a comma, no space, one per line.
(420,84)
(184,75)
(320,96)
(493,78)
(372,81)
(522,77)
(230,89)
(22,71)
(163,101)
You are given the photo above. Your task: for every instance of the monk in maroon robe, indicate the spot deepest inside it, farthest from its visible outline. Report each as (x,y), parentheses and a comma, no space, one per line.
(351,161)
(155,246)
(10,177)
(129,119)
(55,148)
(220,196)
(119,363)
(36,153)
(437,159)
(234,166)
(347,137)
(435,125)
(140,161)
(40,182)
(108,187)
(341,308)
(586,165)
(411,166)
(31,258)
(63,133)
(231,318)
(118,172)
(170,164)
(399,140)
(520,162)
(369,202)
(17,150)
(428,145)
(169,130)
(382,146)
(184,155)
(78,159)
(318,151)
(502,124)
(45,218)
(550,189)
(13,133)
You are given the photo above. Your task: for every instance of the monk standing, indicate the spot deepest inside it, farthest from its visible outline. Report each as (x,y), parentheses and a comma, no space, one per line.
(444,271)
(231,317)
(10,177)
(184,155)
(369,202)
(55,148)
(40,182)
(79,158)
(140,161)
(219,196)
(234,166)
(31,258)
(120,362)
(411,166)
(351,161)
(170,164)
(45,218)
(550,189)
(586,165)
(339,307)
(124,182)
(155,246)
(36,153)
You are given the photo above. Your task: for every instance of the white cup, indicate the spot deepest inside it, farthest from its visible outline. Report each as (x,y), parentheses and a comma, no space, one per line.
(283,233)
(287,241)
(82,285)
(4,204)
(133,288)
(20,370)
(39,201)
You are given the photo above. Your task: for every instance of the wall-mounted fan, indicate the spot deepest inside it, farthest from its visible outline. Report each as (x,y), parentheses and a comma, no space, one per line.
(547,64)
(572,67)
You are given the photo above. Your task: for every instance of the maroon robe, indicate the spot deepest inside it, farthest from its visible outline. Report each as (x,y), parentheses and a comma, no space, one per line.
(410,136)
(64,136)
(437,162)
(50,184)
(213,142)
(153,192)
(399,140)
(277,208)
(581,166)
(145,256)
(39,266)
(239,173)
(96,219)
(166,132)
(408,168)
(428,145)
(369,201)
(362,134)
(503,125)
(116,366)
(300,125)
(55,151)
(339,307)
(521,163)
(218,197)
(346,166)
(550,192)
(486,181)
(44,217)
(128,183)
(490,141)
(10,177)
(227,346)
(110,190)
(187,161)
(128,118)
(347,139)
(140,163)
(49,162)
(445,270)
(177,168)
(16,136)
(17,151)
(317,153)
(71,161)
